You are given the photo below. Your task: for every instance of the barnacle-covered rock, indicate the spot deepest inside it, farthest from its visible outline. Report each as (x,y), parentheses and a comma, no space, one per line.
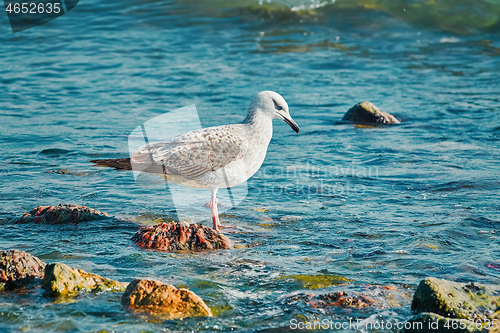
(64,213)
(164,300)
(60,279)
(176,236)
(366,113)
(18,268)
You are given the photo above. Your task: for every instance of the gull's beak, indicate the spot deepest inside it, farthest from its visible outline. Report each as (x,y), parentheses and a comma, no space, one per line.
(291,123)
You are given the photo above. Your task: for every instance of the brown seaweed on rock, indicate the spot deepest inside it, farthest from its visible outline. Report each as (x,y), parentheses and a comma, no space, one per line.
(177,236)
(61,214)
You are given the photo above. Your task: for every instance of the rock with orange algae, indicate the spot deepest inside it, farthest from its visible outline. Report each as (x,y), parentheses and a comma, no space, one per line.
(164,300)
(18,268)
(368,114)
(175,236)
(64,213)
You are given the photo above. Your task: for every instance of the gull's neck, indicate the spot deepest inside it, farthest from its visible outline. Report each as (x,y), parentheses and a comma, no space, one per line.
(260,124)
(257,118)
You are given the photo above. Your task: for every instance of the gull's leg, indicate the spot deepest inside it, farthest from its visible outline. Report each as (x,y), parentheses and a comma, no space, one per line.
(213,208)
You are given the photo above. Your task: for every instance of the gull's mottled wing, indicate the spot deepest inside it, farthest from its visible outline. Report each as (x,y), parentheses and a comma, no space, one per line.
(193,154)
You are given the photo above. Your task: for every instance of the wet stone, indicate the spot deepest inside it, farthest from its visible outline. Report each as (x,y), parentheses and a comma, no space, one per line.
(165,300)
(60,279)
(18,268)
(366,113)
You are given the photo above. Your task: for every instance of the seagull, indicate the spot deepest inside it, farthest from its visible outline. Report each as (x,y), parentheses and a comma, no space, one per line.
(213,157)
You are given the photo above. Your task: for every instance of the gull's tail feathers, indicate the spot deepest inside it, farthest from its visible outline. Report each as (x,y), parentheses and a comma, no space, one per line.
(116,163)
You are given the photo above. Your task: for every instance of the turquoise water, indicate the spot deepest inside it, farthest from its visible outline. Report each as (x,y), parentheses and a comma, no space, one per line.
(378,206)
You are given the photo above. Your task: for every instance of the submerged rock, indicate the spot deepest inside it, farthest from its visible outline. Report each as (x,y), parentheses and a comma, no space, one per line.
(176,236)
(316,281)
(64,213)
(60,279)
(18,268)
(164,299)
(370,296)
(367,113)
(342,299)
(455,307)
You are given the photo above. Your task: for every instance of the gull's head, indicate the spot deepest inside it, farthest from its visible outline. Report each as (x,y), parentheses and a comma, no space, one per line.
(273,105)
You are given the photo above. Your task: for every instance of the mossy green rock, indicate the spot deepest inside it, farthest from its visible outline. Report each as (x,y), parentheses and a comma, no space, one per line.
(60,279)
(366,113)
(456,300)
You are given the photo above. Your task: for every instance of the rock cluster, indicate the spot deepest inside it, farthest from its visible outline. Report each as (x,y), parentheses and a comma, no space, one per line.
(176,236)
(18,268)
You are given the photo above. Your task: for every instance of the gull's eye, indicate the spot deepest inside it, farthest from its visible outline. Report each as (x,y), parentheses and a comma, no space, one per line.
(277,106)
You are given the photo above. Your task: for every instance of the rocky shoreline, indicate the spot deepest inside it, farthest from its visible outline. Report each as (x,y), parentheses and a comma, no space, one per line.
(19,269)
(438,305)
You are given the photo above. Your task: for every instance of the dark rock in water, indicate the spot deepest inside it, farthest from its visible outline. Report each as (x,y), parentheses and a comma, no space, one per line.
(164,300)
(18,268)
(455,307)
(60,279)
(180,236)
(69,172)
(65,213)
(367,113)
